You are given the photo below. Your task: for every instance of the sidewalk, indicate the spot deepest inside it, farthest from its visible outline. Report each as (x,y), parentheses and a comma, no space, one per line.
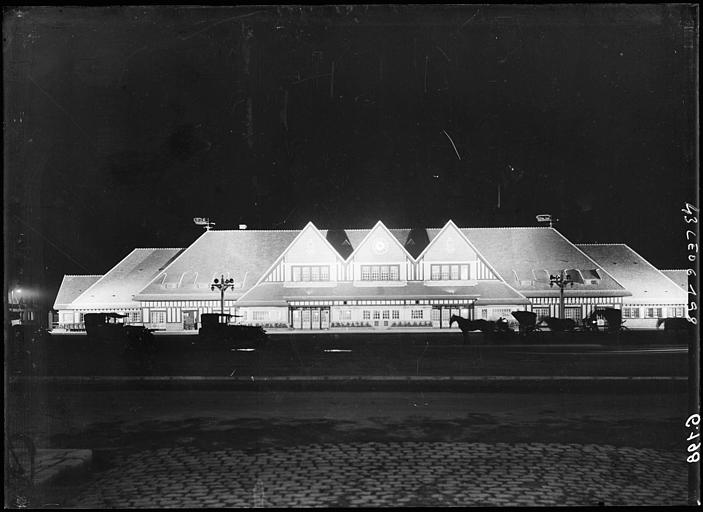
(53,469)
(52,465)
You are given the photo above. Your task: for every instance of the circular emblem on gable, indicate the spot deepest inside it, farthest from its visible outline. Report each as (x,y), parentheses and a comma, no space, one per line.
(379,246)
(450,245)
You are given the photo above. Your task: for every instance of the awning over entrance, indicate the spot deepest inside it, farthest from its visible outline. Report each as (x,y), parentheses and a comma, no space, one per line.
(489,292)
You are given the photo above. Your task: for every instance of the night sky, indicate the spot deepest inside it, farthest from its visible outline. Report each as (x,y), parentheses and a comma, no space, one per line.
(122,124)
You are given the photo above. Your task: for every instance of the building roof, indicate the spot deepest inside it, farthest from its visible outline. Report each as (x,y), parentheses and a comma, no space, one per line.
(118,287)
(525,257)
(243,255)
(71,287)
(635,273)
(276,294)
(679,276)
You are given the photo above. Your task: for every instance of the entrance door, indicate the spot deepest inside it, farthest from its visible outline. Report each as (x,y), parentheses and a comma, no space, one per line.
(325,318)
(189,320)
(315,318)
(306,319)
(297,319)
(436,315)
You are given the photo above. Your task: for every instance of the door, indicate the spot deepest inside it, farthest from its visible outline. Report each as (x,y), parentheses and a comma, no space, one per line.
(189,320)
(297,319)
(315,318)
(436,315)
(325,318)
(306,319)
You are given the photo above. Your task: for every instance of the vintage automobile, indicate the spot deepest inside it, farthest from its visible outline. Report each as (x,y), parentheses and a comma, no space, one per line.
(218,328)
(110,328)
(604,320)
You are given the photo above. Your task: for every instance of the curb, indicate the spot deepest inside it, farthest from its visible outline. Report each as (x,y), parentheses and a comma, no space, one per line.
(358,383)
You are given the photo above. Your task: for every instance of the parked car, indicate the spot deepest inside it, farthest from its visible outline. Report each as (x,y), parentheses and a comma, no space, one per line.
(217,328)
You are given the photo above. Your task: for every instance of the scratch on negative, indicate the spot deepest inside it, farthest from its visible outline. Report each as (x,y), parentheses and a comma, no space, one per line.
(220,22)
(62,110)
(453,145)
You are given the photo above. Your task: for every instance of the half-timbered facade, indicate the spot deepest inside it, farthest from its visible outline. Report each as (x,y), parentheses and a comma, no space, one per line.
(376,278)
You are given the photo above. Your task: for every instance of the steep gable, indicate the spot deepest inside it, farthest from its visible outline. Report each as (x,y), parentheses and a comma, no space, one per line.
(380,245)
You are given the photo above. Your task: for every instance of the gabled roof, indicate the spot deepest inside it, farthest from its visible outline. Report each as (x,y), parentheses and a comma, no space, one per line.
(243,254)
(119,286)
(71,287)
(339,240)
(276,294)
(398,235)
(635,273)
(679,276)
(515,252)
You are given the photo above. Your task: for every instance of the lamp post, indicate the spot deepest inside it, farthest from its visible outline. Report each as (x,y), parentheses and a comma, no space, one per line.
(561,280)
(223,285)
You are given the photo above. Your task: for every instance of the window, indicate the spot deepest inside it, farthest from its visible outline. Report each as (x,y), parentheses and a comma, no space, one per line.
(626,313)
(445,272)
(416,314)
(367,314)
(158,317)
(449,272)
(260,316)
(386,314)
(435,315)
(345,314)
(675,312)
(380,272)
(376,314)
(311,273)
(435,273)
(653,313)
(573,313)
(396,314)
(135,317)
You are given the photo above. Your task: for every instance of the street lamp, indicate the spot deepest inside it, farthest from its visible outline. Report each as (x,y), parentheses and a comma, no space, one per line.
(561,280)
(223,285)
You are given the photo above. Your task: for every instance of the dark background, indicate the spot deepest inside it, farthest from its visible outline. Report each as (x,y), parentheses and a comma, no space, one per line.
(123,123)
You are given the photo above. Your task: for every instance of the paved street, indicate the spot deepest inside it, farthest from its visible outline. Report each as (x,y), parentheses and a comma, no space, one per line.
(216,448)
(419,354)
(391,474)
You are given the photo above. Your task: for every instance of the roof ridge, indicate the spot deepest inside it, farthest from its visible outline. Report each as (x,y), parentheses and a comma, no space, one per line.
(254,230)
(507,227)
(613,243)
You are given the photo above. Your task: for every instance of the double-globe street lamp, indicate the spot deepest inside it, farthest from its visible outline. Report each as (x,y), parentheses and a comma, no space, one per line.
(223,285)
(562,280)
